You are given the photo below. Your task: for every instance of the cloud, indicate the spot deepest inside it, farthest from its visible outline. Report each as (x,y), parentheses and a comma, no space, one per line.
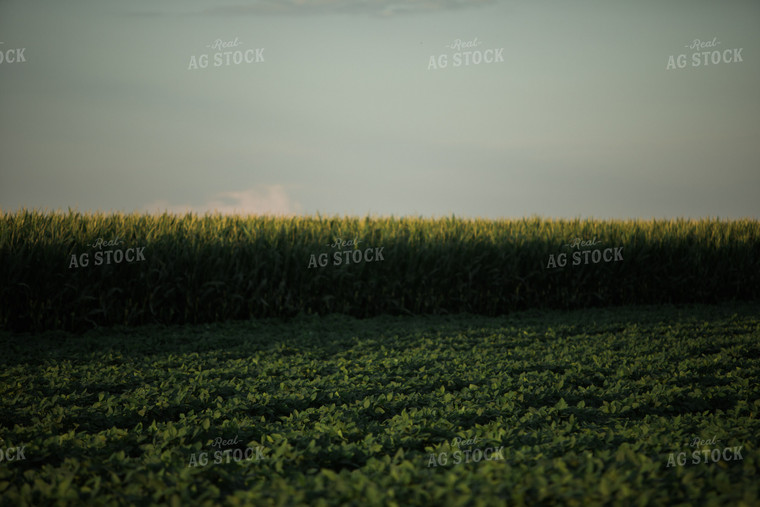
(384,8)
(261,200)
(376,8)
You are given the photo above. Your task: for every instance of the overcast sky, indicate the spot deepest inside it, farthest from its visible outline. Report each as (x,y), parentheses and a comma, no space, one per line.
(345,115)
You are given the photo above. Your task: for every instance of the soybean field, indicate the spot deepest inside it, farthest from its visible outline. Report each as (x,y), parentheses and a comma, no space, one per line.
(540,407)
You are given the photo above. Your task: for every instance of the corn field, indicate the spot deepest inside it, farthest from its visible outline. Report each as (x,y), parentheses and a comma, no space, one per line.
(194,269)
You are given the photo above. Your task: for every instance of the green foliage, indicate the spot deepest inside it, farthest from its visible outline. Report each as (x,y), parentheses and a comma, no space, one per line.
(212,268)
(587,405)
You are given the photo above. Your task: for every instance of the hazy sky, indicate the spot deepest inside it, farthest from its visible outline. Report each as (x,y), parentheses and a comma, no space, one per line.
(344,115)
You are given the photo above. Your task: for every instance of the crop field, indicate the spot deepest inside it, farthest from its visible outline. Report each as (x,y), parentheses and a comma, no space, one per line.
(631,405)
(75,271)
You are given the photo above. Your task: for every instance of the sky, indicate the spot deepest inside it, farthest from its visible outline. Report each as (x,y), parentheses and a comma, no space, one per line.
(346,114)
